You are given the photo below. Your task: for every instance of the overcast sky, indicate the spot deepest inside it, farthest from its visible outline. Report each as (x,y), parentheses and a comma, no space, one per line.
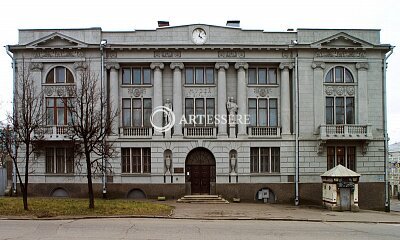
(267,15)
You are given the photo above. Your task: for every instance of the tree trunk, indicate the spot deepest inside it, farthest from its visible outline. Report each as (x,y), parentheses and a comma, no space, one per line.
(89,179)
(25,189)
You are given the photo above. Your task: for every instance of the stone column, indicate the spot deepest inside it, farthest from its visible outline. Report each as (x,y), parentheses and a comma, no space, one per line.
(362,94)
(221,107)
(113,97)
(177,96)
(319,101)
(241,95)
(157,93)
(285,97)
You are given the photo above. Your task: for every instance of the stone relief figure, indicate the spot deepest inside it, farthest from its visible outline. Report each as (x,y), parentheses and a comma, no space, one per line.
(167,104)
(232,110)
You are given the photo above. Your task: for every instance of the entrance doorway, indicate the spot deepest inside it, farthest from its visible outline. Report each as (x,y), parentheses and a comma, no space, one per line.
(200,171)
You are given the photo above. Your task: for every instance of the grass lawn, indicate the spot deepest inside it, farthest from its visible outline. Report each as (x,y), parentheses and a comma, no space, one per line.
(52,207)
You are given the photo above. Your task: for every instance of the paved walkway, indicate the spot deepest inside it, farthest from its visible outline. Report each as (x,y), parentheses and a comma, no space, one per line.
(395,205)
(255,211)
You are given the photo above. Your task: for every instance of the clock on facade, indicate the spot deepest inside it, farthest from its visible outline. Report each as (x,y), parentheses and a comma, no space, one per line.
(199,36)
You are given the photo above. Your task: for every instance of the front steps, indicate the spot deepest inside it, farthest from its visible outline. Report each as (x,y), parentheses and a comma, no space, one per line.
(210,199)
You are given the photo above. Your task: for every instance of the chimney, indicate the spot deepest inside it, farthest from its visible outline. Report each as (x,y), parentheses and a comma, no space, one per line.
(163,23)
(233,23)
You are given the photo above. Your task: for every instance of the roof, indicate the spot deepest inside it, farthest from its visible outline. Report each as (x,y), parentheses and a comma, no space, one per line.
(340,171)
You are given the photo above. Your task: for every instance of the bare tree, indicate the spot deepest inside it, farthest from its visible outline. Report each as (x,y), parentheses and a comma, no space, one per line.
(89,126)
(27,118)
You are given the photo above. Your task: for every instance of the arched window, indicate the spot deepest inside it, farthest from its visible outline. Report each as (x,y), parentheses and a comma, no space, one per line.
(339,75)
(59,75)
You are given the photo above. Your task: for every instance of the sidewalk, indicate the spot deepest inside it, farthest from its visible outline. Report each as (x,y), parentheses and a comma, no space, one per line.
(255,211)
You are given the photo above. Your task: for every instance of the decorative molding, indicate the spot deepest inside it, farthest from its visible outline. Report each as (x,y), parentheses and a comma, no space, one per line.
(318,65)
(112,65)
(222,65)
(286,65)
(287,54)
(58,54)
(340,90)
(199,92)
(177,66)
(136,92)
(340,54)
(262,92)
(231,54)
(157,65)
(36,67)
(241,65)
(59,91)
(167,54)
(111,54)
(80,66)
(362,66)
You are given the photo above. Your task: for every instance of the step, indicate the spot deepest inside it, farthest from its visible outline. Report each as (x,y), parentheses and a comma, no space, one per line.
(211,199)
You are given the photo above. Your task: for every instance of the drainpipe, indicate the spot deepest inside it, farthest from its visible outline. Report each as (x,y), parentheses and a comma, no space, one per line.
(296,79)
(14,178)
(387,199)
(103,44)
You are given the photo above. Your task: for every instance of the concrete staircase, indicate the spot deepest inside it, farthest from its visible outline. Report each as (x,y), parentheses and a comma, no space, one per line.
(210,199)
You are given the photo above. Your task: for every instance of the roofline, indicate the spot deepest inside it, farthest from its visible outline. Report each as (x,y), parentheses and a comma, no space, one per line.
(338,29)
(57,29)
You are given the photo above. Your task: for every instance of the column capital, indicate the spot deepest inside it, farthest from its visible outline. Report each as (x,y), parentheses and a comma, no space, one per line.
(176,66)
(241,65)
(318,65)
(114,66)
(157,65)
(222,65)
(362,66)
(286,65)
(80,66)
(36,67)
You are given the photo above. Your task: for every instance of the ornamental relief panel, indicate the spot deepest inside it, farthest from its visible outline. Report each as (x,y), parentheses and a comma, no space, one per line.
(199,92)
(59,91)
(263,92)
(137,92)
(340,91)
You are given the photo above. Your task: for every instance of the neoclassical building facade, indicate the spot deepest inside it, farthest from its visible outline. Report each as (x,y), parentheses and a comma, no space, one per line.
(312,99)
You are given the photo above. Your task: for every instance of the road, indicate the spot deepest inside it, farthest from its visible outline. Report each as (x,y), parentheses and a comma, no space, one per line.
(191,229)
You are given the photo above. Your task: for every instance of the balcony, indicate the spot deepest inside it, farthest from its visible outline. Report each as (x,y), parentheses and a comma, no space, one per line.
(52,133)
(346,132)
(200,132)
(136,132)
(264,132)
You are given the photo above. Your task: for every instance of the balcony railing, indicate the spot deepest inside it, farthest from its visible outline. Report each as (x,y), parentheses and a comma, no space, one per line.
(346,131)
(264,132)
(200,132)
(137,132)
(52,132)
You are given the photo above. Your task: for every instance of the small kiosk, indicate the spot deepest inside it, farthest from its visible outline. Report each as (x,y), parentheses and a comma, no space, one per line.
(340,189)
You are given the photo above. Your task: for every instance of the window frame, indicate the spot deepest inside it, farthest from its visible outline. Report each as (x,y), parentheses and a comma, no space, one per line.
(333,71)
(143,166)
(143,108)
(205,80)
(68,75)
(131,69)
(55,108)
(349,154)
(265,160)
(333,110)
(267,75)
(268,110)
(52,163)
(205,109)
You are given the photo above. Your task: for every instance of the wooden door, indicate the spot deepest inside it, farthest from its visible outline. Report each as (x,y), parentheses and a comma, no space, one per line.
(200,179)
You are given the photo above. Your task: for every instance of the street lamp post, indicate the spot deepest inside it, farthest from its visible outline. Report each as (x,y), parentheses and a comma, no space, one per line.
(103,44)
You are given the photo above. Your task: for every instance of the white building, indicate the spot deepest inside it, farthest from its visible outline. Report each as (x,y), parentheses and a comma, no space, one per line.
(394,169)
(199,68)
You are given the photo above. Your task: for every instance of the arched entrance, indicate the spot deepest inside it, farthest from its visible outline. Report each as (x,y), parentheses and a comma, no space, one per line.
(200,171)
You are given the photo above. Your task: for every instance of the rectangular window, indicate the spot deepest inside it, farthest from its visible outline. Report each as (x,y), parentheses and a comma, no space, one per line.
(57,112)
(136,160)
(199,75)
(344,155)
(203,110)
(259,75)
(340,110)
(59,160)
(136,112)
(263,112)
(264,160)
(136,76)
(126,112)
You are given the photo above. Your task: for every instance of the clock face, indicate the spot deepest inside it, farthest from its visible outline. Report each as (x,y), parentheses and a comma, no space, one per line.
(199,36)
